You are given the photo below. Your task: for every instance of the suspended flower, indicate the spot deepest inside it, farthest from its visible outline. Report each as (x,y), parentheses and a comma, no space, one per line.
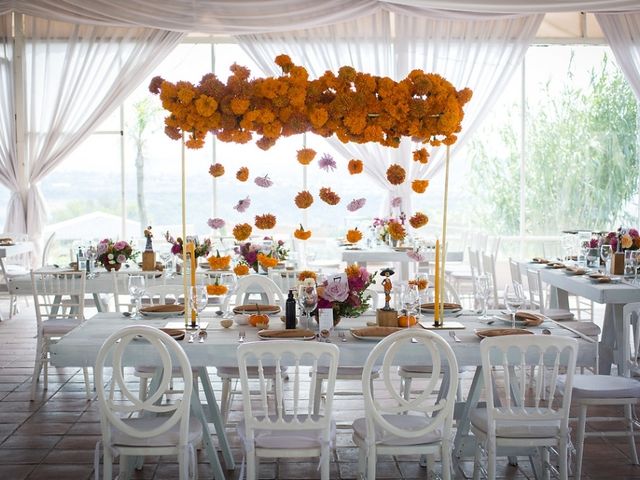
(216,170)
(354,236)
(303,199)
(329,196)
(419,186)
(355,166)
(301,233)
(396,202)
(416,256)
(356,204)
(327,163)
(421,155)
(263,182)
(396,174)
(242,174)
(243,205)
(242,231)
(265,222)
(306,155)
(418,220)
(215,223)
(241,269)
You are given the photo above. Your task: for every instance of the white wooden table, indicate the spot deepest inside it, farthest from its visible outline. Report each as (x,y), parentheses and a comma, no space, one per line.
(381,255)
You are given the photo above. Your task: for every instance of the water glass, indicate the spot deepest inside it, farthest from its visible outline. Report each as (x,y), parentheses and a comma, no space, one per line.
(409,298)
(483,290)
(136,290)
(308,301)
(592,257)
(198,300)
(514,300)
(631,264)
(606,252)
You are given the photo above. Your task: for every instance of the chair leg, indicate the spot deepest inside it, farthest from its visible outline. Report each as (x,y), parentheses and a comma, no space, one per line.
(445,459)
(107,464)
(477,462)
(491,460)
(142,389)
(628,414)
(37,368)
(546,462)
(87,382)
(582,420)
(317,395)
(225,402)
(406,387)
(252,466)
(371,463)
(362,461)
(563,453)
(325,466)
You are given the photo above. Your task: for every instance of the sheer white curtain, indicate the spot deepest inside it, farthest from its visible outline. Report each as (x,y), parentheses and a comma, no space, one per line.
(477,53)
(75,76)
(622,31)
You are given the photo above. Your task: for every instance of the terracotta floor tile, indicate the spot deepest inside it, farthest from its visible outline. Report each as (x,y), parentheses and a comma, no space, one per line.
(51,472)
(31,441)
(15,472)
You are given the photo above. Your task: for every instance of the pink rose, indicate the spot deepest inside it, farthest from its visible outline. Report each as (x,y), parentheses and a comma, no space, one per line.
(121,245)
(336,292)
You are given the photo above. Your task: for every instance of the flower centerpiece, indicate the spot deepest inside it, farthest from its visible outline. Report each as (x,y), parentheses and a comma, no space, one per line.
(346,299)
(113,254)
(265,255)
(201,249)
(390,230)
(622,239)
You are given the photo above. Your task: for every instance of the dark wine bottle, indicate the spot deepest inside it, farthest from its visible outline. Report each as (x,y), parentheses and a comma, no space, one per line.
(290,311)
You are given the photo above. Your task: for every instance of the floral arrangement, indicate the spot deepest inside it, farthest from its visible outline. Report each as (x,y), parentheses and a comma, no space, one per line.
(248,254)
(266,261)
(201,249)
(382,226)
(110,253)
(216,262)
(620,240)
(305,274)
(397,230)
(347,299)
(255,255)
(355,106)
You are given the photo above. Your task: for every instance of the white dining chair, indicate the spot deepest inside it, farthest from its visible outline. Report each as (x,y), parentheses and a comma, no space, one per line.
(524,415)
(621,390)
(11,268)
(395,425)
(133,427)
(59,305)
(286,426)
(122,297)
(489,268)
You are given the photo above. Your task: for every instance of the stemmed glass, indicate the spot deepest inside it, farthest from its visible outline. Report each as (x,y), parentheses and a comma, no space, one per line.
(167,260)
(514,300)
(483,290)
(592,257)
(308,300)
(605,253)
(227,279)
(409,298)
(136,290)
(199,299)
(631,264)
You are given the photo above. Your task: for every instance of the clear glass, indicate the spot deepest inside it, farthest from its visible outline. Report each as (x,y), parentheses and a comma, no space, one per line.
(198,301)
(631,264)
(137,287)
(409,298)
(483,290)
(514,300)
(592,256)
(605,254)
(308,301)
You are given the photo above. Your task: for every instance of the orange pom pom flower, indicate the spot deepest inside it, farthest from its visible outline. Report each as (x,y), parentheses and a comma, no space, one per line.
(306,155)
(242,174)
(216,170)
(418,220)
(303,199)
(396,174)
(355,166)
(265,222)
(241,269)
(354,235)
(242,231)
(329,196)
(419,186)
(302,234)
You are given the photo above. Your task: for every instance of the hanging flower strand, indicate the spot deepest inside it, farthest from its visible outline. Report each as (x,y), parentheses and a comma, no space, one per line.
(243,205)
(355,166)
(356,204)
(242,174)
(215,223)
(216,170)
(264,182)
(327,163)
(306,155)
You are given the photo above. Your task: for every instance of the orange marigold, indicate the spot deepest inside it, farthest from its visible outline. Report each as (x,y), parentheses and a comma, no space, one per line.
(241,269)
(397,231)
(304,274)
(306,155)
(352,271)
(396,174)
(216,170)
(242,174)
(421,155)
(354,235)
(267,261)
(303,199)
(242,231)
(355,166)
(216,262)
(421,283)
(329,196)
(419,186)
(302,234)
(239,105)
(216,289)
(265,222)
(418,220)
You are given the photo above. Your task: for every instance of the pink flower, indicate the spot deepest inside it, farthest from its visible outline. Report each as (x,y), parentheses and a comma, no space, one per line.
(121,258)
(263,182)
(101,248)
(243,205)
(416,255)
(634,233)
(120,245)
(327,163)
(356,204)
(215,223)
(396,202)
(336,292)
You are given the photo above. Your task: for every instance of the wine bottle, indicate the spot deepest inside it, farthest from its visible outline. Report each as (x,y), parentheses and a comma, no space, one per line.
(290,311)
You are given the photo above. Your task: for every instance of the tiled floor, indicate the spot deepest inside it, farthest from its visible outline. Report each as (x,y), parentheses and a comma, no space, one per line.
(54,437)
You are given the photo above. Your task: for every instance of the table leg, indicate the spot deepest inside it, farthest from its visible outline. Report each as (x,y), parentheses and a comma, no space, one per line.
(558,298)
(216,418)
(612,337)
(462,432)
(196,409)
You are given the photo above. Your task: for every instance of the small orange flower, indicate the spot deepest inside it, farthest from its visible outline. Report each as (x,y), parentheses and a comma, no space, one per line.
(419,186)
(217,289)
(306,155)
(242,174)
(352,271)
(302,234)
(421,283)
(397,231)
(216,170)
(265,222)
(354,236)
(396,174)
(241,269)
(421,155)
(355,166)
(418,220)
(304,274)
(216,262)
(267,261)
(329,196)
(242,231)
(303,199)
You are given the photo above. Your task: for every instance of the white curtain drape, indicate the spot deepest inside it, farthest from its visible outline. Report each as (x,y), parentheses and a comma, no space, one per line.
(622,31)
(74,77)
(480,54)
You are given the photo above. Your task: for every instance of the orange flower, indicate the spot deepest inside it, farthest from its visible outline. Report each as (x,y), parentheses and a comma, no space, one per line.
(217,289)
(397,231)
(421,155)
(265,222)
(354,236)
(239,105)
(396,174)
(355,166)
(421,283)
(242,231)
(329,196)
(216,170)
(306,155)
(303,199)
(304,274)
(242,174)
(418,220)
(267,261)
(241,269)
(352,271)
(302,234)
(419,186)
(219,263)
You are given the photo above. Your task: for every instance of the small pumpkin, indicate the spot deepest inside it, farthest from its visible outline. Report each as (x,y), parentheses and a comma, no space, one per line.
(219,263)
(406,320)
(259,319)
(216,289)
(302,234)
(354,236)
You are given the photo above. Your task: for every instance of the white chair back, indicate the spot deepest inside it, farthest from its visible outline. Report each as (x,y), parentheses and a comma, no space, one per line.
(514,269)
(261,285)
(450,293)
(164,294)
(536,294)
(631,339)
(285,279)
(520,366)
(47,249)
(380,407)
(58,296)
(489,267)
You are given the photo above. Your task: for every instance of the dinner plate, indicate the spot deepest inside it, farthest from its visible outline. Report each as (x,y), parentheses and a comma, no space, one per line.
(449,310)
(362,333)
(251,308)
(297,334)
(575,271)
(507,320)
(499,332)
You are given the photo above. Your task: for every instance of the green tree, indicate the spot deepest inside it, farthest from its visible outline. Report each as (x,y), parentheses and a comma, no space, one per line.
(581,165)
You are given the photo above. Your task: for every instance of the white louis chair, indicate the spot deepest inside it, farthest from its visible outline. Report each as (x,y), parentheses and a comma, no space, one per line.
(11,268)
(286,426)
(59,305)
(395,425)
(133,427)
(524,415)
(623,390)
(121,296)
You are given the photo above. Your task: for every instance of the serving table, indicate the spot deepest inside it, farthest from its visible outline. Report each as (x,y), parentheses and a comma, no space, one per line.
(79,348)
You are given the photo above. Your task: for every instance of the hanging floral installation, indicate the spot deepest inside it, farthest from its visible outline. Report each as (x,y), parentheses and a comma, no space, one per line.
(216,170)
(419,186)
(303,199)
(396,174)
(356,204)
(264,182)
(354,235)
(306,155)
(301,233)
(265,222)
(327,163)
(418,220)
(242,205)
(242,231)
(216,223)
(421,155)
(242,174)
(355,166)
(329,196)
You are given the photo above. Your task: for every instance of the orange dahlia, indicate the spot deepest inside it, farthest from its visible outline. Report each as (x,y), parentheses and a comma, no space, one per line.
(304,274)
(216,289)
(242,231)
(242,174)
(267,261)
(216,262)
(216,170)
(396,174)
(421,155)
(302,234)
(303,199)
(354,236)
(421,283)
(329,196)
(265,222)
(419,186)
(355,166)
(418,220)
(397,231)
(306,155)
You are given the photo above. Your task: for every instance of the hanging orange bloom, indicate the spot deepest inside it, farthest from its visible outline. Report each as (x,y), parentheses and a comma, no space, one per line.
(306,155)
(303,199)
(421,155)
(419,186)
(239,105)
(216,262)
(267,261)
(354,236)
(216,289)
(265,222)
(304,274)
(355,166)
(329,196)
(397,231)
(242,174)
(421,283)
(418,220)
(241,269)
(242,231)
(302,234)
(216,170)
(396,174)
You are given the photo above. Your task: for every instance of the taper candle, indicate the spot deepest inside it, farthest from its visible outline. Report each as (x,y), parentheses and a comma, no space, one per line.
(436,300)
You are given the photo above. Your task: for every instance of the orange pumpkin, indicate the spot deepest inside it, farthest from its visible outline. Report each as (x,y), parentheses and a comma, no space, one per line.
(302,234)
(354,236)
(406,320)
(259,319)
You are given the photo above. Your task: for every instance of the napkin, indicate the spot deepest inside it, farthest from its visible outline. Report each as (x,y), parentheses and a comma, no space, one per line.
(375,331)
(531,319)
(540,260)
(577,270)
(499,332)
(445,306)
(174,333)
(171,308)
(291,333)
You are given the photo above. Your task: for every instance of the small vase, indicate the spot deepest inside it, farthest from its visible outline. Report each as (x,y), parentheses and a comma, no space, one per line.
(115,266)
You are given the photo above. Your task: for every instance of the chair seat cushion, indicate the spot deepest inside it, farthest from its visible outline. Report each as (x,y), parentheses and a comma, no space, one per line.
(60,326)
(558,314)
(589,329)
(288,439)
(602,386)
(15,270)
(234,372)
(169,438)
(346,372)
(406,422)
(526,428)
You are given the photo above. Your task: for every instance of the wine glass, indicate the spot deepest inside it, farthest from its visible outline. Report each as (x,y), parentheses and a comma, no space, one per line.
(229,280)
(483,290)
(167,260)
(198,300)
(409,298)
(592,257)
(631,264)
(308,300)
(514,300)
(136,290)
(605,254)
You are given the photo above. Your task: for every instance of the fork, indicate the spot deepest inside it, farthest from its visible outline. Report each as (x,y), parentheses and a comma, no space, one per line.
(241,336)
(453,335)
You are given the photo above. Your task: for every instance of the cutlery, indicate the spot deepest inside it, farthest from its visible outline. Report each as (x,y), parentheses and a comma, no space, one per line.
(126,314)
(202,334)
(191,337)
(453,335)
